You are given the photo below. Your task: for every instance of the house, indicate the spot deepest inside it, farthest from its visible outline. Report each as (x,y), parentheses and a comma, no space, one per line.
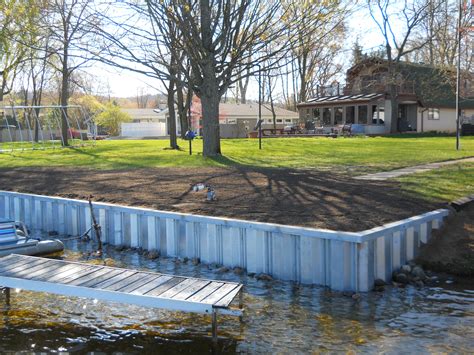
(146,122)
(236,120)
(425,97)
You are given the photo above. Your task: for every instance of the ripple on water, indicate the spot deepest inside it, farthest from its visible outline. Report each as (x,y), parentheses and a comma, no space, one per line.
(280,316)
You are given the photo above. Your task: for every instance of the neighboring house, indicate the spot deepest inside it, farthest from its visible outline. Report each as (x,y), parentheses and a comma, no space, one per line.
(140,115)
(236,120)
(425,97)
(146,122)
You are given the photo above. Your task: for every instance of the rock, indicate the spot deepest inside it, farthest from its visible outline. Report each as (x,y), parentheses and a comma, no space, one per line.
(419,284)
(356,296)
(347,294)
(185,259)
(53,233)
(213,266)
(401,278)
(120,247)
(222,270)
(406,269)
(238,270)
(264,277)
(379,283)
(412,263)
(251,274)
(418,272)
(195,261)
(152,254)
(379,288)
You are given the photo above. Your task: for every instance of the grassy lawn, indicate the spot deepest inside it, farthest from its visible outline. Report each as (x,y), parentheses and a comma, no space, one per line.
(445,184)
(352,155)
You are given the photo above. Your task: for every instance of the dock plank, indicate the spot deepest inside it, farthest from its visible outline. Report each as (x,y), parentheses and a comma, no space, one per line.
(143,280)
(165,286)
(178,288)
(227,299)
(89,277)
(219,294)
(125,282)
(92,282)
(110,281)
(191,290)
(209,289)
(151,285)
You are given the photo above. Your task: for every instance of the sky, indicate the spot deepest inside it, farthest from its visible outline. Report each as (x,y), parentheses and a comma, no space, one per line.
(123,83)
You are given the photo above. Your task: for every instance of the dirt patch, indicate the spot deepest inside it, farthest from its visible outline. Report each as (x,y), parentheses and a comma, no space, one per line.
(285,196)
(451,249)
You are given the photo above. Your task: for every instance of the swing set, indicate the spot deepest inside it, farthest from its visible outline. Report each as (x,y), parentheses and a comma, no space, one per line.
(40,127)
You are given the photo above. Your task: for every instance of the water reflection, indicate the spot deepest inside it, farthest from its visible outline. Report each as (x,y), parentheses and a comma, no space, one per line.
(280,316)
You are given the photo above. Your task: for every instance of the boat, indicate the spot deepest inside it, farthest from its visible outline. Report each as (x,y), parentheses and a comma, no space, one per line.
(15,239)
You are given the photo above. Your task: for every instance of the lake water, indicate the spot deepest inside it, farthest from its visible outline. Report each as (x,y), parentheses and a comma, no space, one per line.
(280,317)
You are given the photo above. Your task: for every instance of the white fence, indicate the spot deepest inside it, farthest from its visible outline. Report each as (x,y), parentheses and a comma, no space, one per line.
(341,260)
(143,129)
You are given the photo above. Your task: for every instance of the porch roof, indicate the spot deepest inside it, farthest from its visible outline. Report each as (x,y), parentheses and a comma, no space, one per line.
(341,99)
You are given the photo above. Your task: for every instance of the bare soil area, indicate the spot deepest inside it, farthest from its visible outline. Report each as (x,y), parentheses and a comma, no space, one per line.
(451,249)
(285,196)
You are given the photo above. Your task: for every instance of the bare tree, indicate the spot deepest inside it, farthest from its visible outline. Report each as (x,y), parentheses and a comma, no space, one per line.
(407,17)
(69,23)
(224,40)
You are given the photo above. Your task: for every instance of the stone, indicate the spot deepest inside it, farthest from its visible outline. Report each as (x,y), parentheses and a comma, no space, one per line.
(379,282)
(251,274)
(212,266)
(401,278)
(185,259)
(356,296)
(195,261)
(238,270)
(418,272)
(406,269)
(53,233)
(379,288)
(222,270)
(152,254)
(264,277)
(120,247)
(419,284)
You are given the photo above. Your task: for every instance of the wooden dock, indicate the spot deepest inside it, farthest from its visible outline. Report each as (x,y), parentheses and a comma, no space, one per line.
(106,283)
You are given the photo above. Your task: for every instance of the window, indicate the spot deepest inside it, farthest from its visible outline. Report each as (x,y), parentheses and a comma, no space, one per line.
(363,113)
(279,120)
(375,115)
(287,120)
(269,120)
(350,114)
(338,115)
(433,113)
(231,121)
(326,116)
(317,116)
(381,115)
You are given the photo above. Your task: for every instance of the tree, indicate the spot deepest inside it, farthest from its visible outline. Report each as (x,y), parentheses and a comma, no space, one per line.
(18,26)
(222,40)
(69,23)
(407,17)
(111,118)
(318,34)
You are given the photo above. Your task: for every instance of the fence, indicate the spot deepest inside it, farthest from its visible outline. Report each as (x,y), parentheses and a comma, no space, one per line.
(340,260)
(143,129)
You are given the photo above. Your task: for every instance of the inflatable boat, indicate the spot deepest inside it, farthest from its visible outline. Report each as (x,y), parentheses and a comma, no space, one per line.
(14,239)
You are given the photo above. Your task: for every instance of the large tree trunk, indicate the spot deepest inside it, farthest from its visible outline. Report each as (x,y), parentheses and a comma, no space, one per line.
(172,116)
(210,119)
(210,96)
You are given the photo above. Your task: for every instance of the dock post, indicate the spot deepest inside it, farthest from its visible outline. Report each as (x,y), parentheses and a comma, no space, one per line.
(6,290)
(241,303)
(214,325)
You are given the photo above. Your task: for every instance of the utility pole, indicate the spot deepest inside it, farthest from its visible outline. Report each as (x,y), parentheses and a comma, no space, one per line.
(458,75)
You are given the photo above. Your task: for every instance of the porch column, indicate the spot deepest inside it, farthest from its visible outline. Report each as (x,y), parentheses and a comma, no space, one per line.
(356,113)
